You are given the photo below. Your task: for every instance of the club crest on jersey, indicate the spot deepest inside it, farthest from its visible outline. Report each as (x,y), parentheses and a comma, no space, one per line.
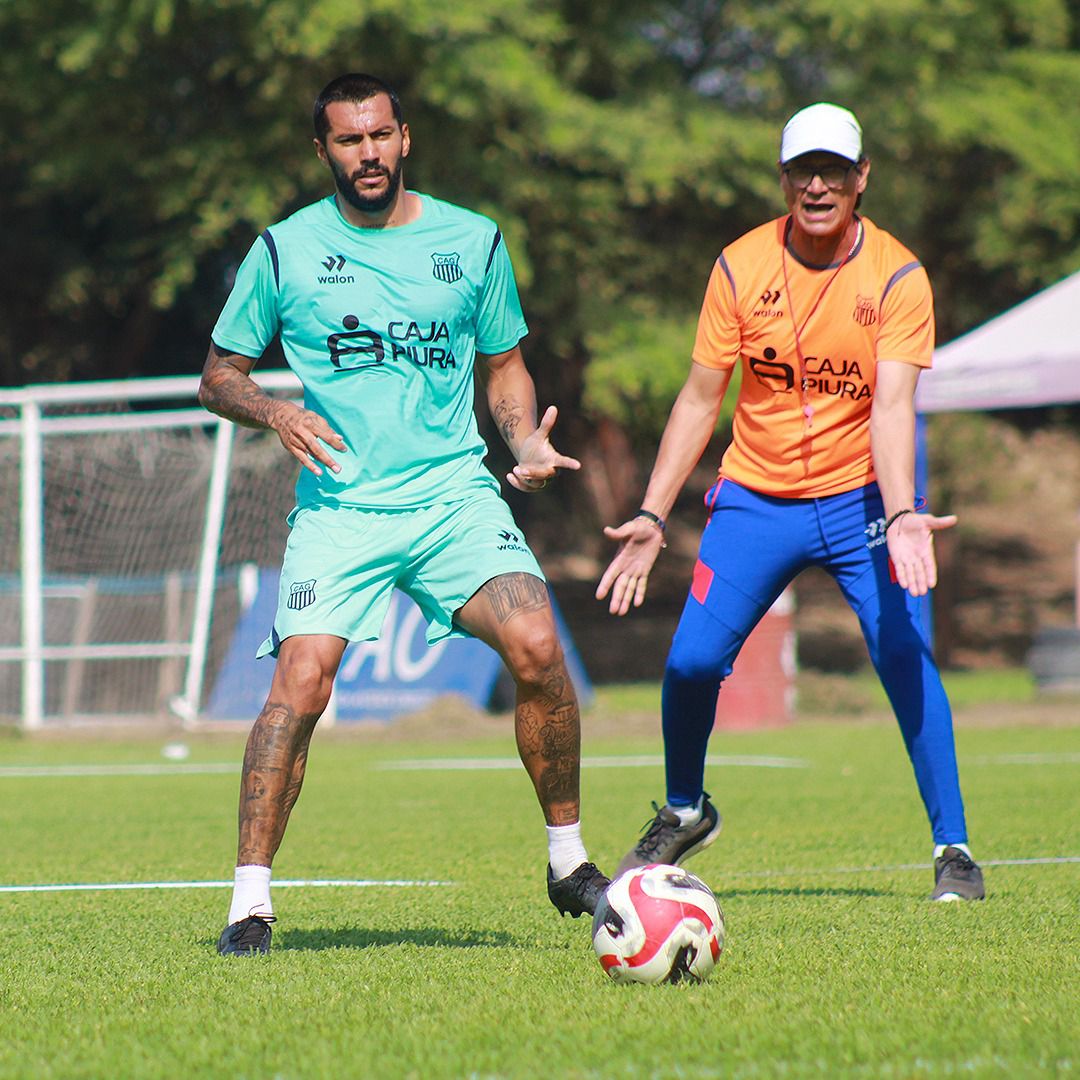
(864,313)
(446,267)
(301,595)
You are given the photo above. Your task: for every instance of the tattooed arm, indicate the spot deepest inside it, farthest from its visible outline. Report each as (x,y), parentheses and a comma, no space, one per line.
(511,398)
(228,390)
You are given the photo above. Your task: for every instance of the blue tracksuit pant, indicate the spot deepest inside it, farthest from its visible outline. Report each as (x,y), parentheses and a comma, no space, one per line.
(752,547)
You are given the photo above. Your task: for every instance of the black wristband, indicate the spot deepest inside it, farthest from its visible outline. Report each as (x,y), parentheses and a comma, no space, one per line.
(898,514)
(659,522)
(656,520)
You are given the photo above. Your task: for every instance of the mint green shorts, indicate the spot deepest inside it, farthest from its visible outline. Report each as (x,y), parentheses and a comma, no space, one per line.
(342,565)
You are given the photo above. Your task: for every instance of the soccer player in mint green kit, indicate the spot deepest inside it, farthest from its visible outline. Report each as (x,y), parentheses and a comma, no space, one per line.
(383,298)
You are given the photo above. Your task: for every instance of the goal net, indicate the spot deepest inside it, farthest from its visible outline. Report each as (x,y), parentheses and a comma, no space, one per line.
(128,516)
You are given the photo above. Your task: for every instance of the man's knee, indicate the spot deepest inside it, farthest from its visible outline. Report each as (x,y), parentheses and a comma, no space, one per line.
(897,648)
(699,658)
(533,652)
(304,678)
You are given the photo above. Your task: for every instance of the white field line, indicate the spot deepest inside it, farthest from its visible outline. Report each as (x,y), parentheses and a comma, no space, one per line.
(718,760)
(118,886)
(19,772)
(115,886)
(1054,860)
(1064,758)
(16,772)
(629,762)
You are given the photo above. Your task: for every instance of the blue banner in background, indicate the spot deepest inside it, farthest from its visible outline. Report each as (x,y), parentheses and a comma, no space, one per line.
(377,680)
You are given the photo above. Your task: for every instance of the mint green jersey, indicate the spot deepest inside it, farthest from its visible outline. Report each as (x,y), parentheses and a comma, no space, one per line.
(382,327)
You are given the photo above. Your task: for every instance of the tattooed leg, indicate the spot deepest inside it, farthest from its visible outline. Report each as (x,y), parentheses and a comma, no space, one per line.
(274,764)
(277,748)
(548,730)
(513,615)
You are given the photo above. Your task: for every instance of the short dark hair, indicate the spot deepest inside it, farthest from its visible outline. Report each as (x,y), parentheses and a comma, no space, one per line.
(354,87)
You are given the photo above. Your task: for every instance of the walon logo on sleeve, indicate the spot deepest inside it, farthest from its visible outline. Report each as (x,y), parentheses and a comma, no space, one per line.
(446,267)
(301,595)
(511,542)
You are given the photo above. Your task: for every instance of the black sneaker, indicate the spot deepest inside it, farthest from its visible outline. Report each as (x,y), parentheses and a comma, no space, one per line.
(957,877)
(666,841)
(248,937)
(577,893)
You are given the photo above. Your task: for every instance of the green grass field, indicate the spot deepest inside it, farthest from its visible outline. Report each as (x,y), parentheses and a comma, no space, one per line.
(835,964)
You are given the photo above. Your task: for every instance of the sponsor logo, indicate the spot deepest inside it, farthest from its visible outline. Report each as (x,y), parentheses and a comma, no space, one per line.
(416,342)
(301,595)
(767,308)
(864,313)
(875,532)
(425,345)
(446,267)
(772,372)
(511,542)
(334,265)
(355,348)
(836,378)
(822,375)
(400,330)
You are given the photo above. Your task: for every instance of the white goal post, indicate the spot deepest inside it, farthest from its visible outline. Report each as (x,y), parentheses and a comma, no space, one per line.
(128,514)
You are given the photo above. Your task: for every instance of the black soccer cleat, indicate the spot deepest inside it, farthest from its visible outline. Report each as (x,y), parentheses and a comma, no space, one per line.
(577,893)
(666,841)
(248,937)
(957,877)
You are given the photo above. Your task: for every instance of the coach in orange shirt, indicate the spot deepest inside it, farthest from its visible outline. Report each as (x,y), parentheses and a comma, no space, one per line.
(832,320)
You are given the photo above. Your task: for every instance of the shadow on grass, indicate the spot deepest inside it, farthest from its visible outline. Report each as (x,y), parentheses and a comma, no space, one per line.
(799,891)
(359,938)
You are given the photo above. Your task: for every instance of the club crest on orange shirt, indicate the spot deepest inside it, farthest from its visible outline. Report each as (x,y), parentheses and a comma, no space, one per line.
(864,313)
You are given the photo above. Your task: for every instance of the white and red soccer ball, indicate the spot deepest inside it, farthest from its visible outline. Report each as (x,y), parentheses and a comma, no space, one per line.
(658,924)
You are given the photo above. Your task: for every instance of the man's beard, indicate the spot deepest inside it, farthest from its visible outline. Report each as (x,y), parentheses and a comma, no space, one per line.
(367,204)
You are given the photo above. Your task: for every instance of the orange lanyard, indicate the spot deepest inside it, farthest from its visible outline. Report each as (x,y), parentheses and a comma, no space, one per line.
(807,408)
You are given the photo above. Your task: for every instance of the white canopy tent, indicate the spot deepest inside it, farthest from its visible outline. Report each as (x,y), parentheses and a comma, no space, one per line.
(1028,356)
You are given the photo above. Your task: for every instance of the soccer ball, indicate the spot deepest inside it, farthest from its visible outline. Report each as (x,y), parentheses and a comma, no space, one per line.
(658,924)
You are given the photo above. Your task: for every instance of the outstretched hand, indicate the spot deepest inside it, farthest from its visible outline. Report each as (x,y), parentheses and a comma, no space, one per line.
(627,576)
(538,460)
(911,549)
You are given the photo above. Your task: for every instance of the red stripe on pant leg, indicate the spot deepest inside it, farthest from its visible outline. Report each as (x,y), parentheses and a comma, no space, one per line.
(699,586)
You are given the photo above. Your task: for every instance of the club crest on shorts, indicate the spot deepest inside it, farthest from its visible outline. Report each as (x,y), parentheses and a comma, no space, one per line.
(446,267)
(301,595)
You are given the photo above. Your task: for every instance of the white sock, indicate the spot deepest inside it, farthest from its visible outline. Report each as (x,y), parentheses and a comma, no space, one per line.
(960,847)
(566,852)
(688,815)
(251,893)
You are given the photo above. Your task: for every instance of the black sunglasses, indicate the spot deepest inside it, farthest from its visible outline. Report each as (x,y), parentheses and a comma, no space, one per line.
(834,177)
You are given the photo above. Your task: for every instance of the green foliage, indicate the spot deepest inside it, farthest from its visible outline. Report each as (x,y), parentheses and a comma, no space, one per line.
(639,365)
(620,146)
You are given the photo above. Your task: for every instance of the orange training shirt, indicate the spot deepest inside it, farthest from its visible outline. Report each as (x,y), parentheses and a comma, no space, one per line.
(876,306)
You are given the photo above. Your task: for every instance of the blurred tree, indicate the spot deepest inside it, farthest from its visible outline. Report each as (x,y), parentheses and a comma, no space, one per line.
(619,145)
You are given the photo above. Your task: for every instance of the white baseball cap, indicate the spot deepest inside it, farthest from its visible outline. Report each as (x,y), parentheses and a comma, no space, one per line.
(821,127)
